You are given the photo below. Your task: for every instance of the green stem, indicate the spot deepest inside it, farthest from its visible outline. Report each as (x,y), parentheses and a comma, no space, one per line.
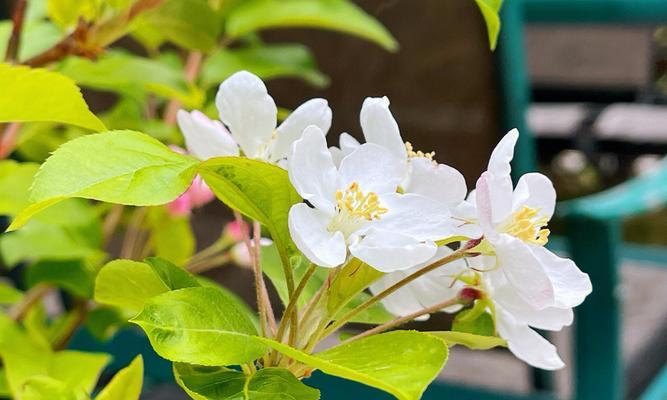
(460,253)
(294,300)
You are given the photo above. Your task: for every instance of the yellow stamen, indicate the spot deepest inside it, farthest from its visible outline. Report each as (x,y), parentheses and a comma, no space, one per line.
(412,153)
(527,226)
(354,203)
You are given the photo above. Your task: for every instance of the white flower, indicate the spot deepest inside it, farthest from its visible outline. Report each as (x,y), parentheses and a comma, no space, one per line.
(432,288)
(356,207)
(515,319)
(424,175)
(513,222)
(250,114)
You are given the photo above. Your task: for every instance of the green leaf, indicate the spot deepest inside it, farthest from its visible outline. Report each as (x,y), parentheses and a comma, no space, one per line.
(37,36)
(66,13)
(103,322)
(469,340)
(239,303)
(258,190)
(402,363)
(77,369)
(490,11)
(192,24)
(4,385)
(350,281)
(45,388)
(199,326)
(75,276)
(267,62)
(339,15)
(124,167)
(219,383)
(30,95)
(126,384)
(9,294)
(171,236)
(15,179)
(129,74)
(130,284)
(470,321)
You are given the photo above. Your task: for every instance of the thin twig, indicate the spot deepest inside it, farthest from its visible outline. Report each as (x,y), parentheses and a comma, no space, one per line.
(11,55)
(80,312)
(291,306)
(133,232)
(271,318)
(111,222)
(31,297)
(192,66)
(460,253)
(9,138)
(73,44)
(400,321)
(209,263)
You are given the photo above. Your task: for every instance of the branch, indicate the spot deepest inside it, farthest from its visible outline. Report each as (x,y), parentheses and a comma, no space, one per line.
(18,17)
(31,297)
(73,44)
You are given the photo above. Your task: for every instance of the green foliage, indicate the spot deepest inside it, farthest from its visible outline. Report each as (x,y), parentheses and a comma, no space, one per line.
(126,384)
(258,190)
(134,76)
(171,237)
(267,62)
(402,363)
(476,321)
(15,180)
(122,167)
(199,326)
(130,284)
(9,294)
(219,383)
(44,388)
(350,281)
(103,322)
(30,95)
(66,13)
(469,340)
(75,276)
(339,15)
(490,11)
(37,36)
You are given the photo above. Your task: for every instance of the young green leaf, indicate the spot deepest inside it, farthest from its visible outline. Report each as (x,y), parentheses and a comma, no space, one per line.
(402,363)
(126,384)
(267,62)
(258,190)
(469,321)
(124,167)
(339,15)
(15,179)
(219,383)
(490,10)
(469,340)
(171,236)
(45,388)
(352,279)
(75,276)
(130,284)
(30,95)
(199,326)
(9,294)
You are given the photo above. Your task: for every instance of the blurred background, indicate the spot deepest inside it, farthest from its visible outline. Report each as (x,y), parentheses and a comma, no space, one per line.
(591,100)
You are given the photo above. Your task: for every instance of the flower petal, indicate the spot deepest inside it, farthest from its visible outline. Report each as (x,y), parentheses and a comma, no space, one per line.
(313,112)
(526,344)
(535,190)
(465,224)
(373,168)
(403,301)
(571,286)
(437,181)
(391,251)
(308,228)
(498,178)
(205,138)
(380,127)
(247,109)
(416,216)
(524,271)
(499,162)
(311,169)
(348,143)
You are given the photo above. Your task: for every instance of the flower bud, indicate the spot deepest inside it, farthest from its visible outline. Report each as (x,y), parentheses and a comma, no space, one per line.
(468,295)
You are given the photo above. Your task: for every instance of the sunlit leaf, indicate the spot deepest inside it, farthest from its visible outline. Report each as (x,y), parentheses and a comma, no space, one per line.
(126,384)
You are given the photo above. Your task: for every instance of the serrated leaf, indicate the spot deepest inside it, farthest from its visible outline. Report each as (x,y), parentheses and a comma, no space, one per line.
(219,383)
(199,326)
(126,384)
(31,95)
(401,363)
(123,167)
(267,62)
(469,340)
(339,15)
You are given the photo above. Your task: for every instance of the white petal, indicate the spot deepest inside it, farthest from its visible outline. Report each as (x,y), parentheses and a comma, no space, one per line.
(205,138)
(403,301)
(571,286)
(484,206)
(416,216)
(313,112)
(336,155)
(391,251)
(373,168)
(465,224)
(535,190)
(499,163)
(311,169)
(526,344)
(308,228)
(348,143)
(380,127)
(247,109)
(524,272)
(437,181)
